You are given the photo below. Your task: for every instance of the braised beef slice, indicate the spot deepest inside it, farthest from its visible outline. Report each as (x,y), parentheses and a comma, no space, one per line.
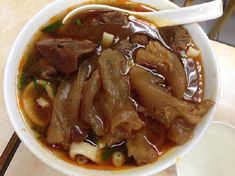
(64,53)
(76,134)
(166,107)
(165,63)
(114,17)
(145,145)
(141,39)
(176,37)
(155,131)
(88,112)
(141,149)
(180,131)
(46,69)
(65,125)
(124,45)
(58,130)
(117,107)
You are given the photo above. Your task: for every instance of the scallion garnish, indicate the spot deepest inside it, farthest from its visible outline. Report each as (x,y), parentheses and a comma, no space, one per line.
(78,22)
(107,153)
(22,80)
(35,83)
(53,27)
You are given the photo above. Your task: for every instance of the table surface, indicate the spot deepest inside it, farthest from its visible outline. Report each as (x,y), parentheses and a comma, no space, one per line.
(13,16)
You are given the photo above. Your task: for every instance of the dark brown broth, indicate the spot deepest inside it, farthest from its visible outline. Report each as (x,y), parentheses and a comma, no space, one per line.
(87,30)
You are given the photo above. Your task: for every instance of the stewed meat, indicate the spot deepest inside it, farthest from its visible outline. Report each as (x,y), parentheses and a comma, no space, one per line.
(89,114)
(167,64)
(114,17)
(64,53)
(176,37)
(180,131)
(117,106)
(141,39)
(146,144)
(58,131)
(141,149)
(66,107)
(157,100)
(46,69)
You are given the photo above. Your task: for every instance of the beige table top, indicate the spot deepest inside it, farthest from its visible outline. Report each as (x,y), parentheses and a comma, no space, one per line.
(13,15)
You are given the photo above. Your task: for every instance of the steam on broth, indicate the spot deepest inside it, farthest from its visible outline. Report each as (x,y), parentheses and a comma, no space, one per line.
(111,89)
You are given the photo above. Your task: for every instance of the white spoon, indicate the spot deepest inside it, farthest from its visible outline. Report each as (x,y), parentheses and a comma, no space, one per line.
(169,17)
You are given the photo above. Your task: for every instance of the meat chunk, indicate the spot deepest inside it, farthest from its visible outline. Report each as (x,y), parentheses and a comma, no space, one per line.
(115,85)
(167,64)
(58,131)
(65,120)
(122,126)
(75,93)
(46,69)
(146,57)
(124,45)
(114,17)
(180,132)
(166,107)
(89,114)
(117,106)
(64,53)
(146,145)
(141,149)
(176,37)
(141,39)
(155,132)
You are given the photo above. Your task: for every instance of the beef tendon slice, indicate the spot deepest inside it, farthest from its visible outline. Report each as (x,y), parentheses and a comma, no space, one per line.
(180,131)
(117,106)
(167,64)
(89,114)
(58,131)
(146,145)
(64,53)
(166,107)
(141,149)
(66,107)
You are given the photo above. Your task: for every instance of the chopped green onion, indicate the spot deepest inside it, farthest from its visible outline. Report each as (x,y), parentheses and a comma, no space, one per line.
(52,27)
(78,22)
(35,82)
(22,80)
(45,84)
(107,153)
(183,55)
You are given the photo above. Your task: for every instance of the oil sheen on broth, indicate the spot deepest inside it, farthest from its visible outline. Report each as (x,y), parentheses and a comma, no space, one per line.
(109,90)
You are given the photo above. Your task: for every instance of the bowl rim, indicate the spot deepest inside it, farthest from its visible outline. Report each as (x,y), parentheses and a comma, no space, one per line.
(43,153)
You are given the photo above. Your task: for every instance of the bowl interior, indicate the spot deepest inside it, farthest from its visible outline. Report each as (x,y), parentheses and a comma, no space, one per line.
(57,6)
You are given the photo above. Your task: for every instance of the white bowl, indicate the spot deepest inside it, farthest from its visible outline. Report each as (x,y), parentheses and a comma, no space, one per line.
(168,159)
(217,148)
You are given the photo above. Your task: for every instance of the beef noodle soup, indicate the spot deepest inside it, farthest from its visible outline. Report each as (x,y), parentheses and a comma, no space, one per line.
(108,89)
